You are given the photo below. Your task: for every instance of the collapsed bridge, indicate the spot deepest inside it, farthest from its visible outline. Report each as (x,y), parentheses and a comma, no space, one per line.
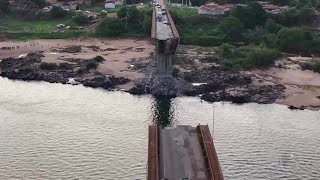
(183,152)
(166,36)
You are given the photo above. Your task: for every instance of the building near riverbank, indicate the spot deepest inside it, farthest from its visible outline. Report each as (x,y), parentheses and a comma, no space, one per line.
(111,4)
(272,8)
(215,9)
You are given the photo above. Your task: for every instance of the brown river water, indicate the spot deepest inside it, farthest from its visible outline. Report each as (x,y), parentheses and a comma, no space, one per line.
(54,131)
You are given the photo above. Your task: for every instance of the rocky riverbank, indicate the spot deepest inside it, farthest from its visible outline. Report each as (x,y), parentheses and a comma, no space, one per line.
(31,68)
(219,86)
(222,86)
(128,65)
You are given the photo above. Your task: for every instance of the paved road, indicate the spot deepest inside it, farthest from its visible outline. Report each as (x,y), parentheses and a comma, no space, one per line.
(163,30)
(181,155)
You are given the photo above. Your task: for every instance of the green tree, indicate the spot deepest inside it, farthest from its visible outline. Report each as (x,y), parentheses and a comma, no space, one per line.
(130,15)
(295,40)
(313,66)
(262,56)
(147,23)
(270,40)
(232,28)
(271,26)
(40,3)
(81,19)
(58,12)
(289,17)
(226,50)
(197,2)
(307,15)
(247,57)
(251,15)
(110,28)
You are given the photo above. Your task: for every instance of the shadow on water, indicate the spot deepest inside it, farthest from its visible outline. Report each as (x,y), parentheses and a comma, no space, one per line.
(163,111)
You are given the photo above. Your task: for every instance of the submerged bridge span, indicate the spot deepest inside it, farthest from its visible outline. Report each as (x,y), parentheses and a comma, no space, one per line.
(166,36)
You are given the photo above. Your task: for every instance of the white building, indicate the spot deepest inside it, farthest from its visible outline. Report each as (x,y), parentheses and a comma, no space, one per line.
(110,5)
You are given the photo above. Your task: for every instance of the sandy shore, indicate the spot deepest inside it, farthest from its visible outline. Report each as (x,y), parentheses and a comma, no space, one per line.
(119,54)
(302,87)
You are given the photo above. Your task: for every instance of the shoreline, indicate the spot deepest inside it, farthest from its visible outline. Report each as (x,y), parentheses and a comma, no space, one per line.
(125,91)
(128,66)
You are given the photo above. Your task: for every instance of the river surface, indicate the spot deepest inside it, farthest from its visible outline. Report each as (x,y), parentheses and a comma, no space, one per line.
(54,131)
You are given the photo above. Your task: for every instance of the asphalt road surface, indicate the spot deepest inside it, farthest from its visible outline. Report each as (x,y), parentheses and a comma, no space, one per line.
(181,155)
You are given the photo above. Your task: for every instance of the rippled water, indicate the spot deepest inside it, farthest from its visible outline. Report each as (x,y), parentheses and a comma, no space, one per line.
(53,131)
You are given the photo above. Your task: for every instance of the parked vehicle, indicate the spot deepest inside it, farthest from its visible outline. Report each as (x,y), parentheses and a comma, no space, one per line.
(60,25)
(159,15)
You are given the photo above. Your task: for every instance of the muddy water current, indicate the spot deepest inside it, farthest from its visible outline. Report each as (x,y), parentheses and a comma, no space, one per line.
(54,131)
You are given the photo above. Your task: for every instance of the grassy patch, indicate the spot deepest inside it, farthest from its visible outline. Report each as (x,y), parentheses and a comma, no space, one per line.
(314,66)
(11,24)
(15,28)
(247,57)
(196,29)
(53,35)
(184,12)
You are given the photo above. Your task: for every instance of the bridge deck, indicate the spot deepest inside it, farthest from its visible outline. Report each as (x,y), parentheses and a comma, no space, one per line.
(184,152)
(163,29)
(181,154)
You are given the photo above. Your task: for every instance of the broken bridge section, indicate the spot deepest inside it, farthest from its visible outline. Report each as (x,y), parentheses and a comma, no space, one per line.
(166,38)
(182,152)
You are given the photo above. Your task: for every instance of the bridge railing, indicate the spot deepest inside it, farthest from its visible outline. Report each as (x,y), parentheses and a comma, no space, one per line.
(210,152)
(153,153)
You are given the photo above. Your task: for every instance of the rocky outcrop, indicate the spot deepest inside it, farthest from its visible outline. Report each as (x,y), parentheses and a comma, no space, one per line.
(140,88)
(223,86)
(29,68)
(13,64)
(26,74)
(296,107)
(265,94)
(71,49)
(30,74)
(219,77)
(161,87)
(164,87)
(105,82)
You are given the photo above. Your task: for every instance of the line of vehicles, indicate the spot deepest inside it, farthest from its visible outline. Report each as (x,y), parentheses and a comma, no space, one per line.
(160,12)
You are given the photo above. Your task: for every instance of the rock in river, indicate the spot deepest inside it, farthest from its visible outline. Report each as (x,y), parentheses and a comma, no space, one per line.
(105,82)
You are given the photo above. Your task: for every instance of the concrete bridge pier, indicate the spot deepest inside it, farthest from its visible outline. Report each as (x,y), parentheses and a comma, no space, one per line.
(164,65)
(165,50)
